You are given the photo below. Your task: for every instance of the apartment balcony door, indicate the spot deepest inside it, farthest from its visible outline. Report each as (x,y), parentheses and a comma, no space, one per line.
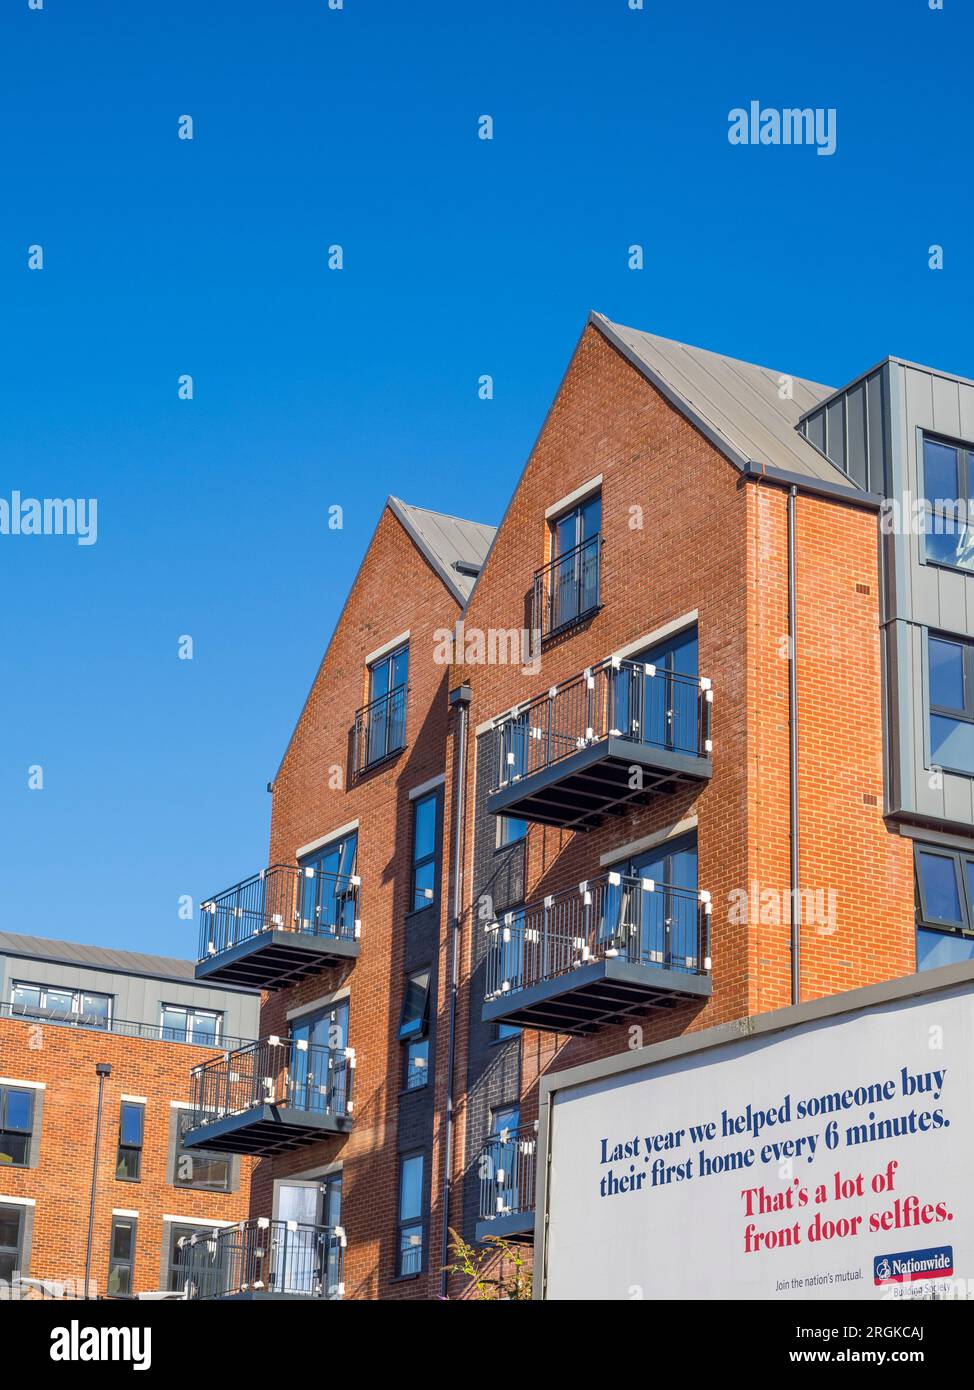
(307,1258)
(318,1079)
(662,709)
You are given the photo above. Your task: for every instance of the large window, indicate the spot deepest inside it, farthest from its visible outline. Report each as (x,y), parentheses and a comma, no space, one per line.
(16,1123)
(328,895)
(131,1125)
(179,1253)
(11,1242)
(948,489)
(209,1172)
(944,905)
(426,819)
(659,708)
(950,666)
(574,583)
(121,1257)
(181,1024)
(51,1002)
(385,725)
(411,1224)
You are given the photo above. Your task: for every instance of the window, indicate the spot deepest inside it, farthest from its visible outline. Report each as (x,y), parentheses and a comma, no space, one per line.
(11,1242)
(208,1172)
(417,1063)
(944,905)
(121,1257)
(16,1123)
(661,709)
(179,1254)
(659,927)
(385,715)
(180,1024)
(328,895)
(510,829)
(503,1031)
(574,583)
(414,1019)
(411,1228)
(131,1123)
(57,1005)
(426,816)
(950,669)
(948,487)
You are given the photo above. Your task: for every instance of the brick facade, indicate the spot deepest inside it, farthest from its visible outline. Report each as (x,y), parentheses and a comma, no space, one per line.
(63,1060)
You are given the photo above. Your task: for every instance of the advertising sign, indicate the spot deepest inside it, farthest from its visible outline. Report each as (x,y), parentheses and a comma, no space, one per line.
(828,1159)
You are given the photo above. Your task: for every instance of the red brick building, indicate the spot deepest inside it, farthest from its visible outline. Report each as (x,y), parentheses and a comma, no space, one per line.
(65,1011)
(627,768)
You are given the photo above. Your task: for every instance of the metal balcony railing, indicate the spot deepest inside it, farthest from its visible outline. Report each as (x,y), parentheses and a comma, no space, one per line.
(260,1257)
(610,917)
(567,589)
(287,1073)
(283,898)
(507,1168)
(632,700)
(126,1028)
(380,729)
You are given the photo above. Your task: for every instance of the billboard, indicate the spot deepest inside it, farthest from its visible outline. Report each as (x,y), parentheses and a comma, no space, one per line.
(826,1155)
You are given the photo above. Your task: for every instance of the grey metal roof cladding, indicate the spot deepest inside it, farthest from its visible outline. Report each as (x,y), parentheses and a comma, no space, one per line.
(736,404)
(97,957)
(455,548)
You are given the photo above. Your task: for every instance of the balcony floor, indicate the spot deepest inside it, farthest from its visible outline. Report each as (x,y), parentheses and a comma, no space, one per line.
(579,791)
(517,1227)
(266,1130)
(273,959)
(598,993)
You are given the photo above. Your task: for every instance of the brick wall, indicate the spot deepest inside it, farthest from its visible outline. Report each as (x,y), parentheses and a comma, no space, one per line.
(64,1060)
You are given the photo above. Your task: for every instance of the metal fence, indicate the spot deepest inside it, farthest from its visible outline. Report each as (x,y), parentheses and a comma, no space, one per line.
(274,1071)
(632,700)
(567,588)
(126,1028)
(264,1257)
(380,729)
(284,897)
(613,916)
(507,1167)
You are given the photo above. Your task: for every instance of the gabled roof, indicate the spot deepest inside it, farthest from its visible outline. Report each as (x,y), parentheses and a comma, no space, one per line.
(97,957)
(455,548)
(736,404)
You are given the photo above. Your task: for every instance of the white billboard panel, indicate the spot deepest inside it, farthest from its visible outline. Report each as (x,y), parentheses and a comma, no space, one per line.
(831,1160)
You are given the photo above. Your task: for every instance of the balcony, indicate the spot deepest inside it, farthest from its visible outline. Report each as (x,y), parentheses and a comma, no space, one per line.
(279,926)
(380,730)
(108,1023)
(594,954)
(620,733)
(566,591)
(271,1097)
(264,1259)
(507,1168)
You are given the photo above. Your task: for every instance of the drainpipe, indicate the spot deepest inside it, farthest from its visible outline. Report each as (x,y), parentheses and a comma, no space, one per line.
(460,701)
(102,1070)
(793,755)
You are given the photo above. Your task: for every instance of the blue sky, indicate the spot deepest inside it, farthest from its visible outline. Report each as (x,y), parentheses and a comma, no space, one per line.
(314,388)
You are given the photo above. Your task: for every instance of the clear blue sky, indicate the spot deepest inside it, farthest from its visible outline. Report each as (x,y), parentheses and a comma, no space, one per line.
(315,388)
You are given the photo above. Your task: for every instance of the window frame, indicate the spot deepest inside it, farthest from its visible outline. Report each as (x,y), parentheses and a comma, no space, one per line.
(421,1030)
(963,500)
(960,715)
(127,1148)
(20,1251)
(413,1222)
(28,1133)
(960,859)
(408,1045)
(180,1114)
(77,998)
(506,842)
(114,1262)
(435,855)
(191,1012)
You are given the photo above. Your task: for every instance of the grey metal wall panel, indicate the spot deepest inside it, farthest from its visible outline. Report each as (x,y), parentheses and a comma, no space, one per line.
(856,434)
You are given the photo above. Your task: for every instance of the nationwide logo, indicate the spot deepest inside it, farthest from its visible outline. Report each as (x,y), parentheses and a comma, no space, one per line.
(913,1264)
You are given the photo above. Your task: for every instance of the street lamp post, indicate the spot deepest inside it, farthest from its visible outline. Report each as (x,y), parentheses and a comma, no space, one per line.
(102,1069)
